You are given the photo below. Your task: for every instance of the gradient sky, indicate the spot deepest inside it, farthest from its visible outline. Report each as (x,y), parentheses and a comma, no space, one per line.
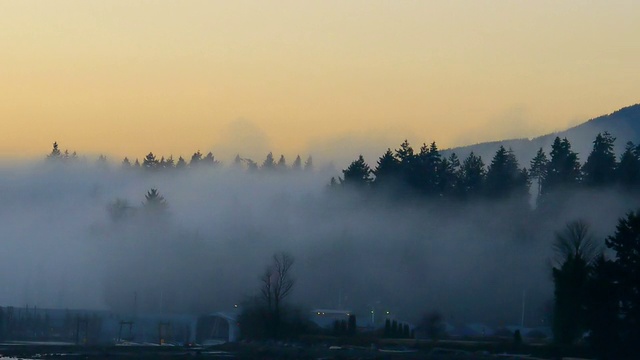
(128,77)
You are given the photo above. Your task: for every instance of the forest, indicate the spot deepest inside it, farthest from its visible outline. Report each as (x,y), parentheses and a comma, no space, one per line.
(420,231)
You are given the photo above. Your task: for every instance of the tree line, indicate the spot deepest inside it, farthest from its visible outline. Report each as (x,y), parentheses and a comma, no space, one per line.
(427,172)
(151,162)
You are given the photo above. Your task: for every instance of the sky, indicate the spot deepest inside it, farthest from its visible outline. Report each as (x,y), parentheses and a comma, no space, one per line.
(318,78)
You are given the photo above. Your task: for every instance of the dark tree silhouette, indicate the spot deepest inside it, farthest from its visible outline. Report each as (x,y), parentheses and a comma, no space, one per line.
(308,164)
(626,244)
(126,164)
(628,171)
(210,160)
(357,174)
(575,251)
(599,170)
(154,202)
(472,176)
(449,171)
(297,163)
(387,171)
(282,164)
(181,164)
(195,159)
(602,309)
(504,177)
(269,163)
(538,169)
(277,284)
(55,153)
(150,162)
(563,169)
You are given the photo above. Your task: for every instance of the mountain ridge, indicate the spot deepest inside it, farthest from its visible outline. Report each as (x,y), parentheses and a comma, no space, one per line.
(623,124)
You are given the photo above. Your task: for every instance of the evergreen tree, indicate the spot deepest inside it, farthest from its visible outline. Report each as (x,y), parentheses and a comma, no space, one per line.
(126,164)
(282,164)
(269,163)
(602,309)
(388,169)
(504,176)
(55,153)
(168,163)
(297,163)
(181,164)
(237,161)
(599,170)
(195,159)
(563,169)
(472,176)
(628,171)
(449,171)
(308,165)
(154,202)
(357,174)
(538,170)
(405,153)
(150,162)
(136,164)
(626,244)
(210,160)
(426,174)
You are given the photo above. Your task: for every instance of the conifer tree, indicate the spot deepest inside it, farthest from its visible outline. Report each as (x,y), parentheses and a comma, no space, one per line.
(210,160)
(599,170)
(150,162)
(195,159)
(181,164)
(55,153)
(357,174)
(563,169)
(626,244)
(449,171)
(538,170)
(504,177)
(269,163)
(126,164)
(472,176)
(308,165)
(282,164)
(297,163)
(628,171)
(388,169)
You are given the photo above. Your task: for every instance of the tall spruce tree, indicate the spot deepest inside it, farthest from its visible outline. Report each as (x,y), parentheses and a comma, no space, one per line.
(626,244)
(538,170)
(563,169)
(599,170)
(297,163)
(504,177)
(357,174)
(150,162)
(269,163)
(472,176)
(387,171)
(628,171)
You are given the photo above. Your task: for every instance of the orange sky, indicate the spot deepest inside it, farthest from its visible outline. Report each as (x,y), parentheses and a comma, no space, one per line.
(128,77)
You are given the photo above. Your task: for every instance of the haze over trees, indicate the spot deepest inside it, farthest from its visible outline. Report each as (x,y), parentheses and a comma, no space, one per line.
(421,230)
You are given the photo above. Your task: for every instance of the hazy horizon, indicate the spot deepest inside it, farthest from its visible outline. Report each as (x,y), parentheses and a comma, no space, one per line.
(126,78)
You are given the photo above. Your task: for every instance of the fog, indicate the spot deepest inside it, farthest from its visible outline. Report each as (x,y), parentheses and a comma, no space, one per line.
(472,262)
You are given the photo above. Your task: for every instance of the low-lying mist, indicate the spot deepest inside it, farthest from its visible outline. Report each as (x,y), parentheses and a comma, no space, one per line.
(62,248)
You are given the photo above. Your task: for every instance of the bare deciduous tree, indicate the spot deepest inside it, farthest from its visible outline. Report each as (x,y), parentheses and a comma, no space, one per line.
(277,284)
